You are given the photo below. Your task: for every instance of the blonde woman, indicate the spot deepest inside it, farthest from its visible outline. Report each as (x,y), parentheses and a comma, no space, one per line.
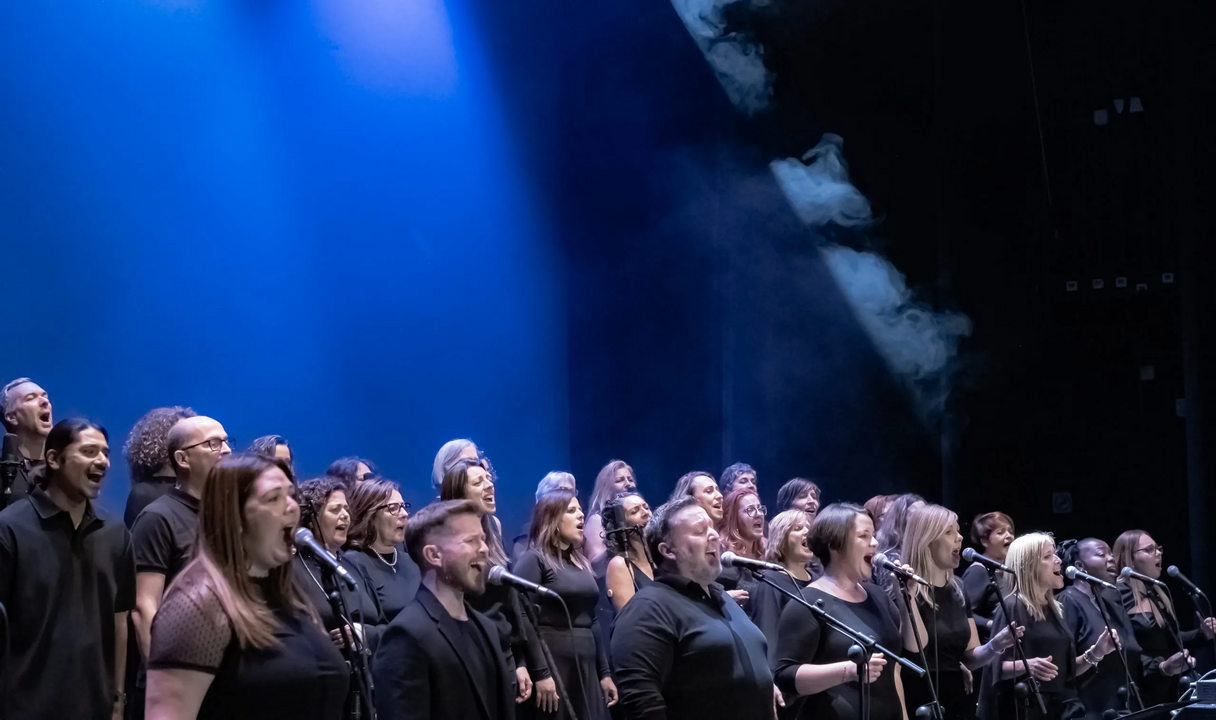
(941,615)
(1164,648)
(614,478)
(787,546)
(1050,649)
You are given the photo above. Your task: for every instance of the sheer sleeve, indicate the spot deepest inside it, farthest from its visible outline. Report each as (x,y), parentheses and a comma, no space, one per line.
(190,632)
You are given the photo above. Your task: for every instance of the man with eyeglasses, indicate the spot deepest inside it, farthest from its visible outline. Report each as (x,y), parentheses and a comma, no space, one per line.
(164,532)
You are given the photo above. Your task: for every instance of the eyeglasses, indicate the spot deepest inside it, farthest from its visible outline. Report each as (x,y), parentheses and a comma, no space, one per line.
(756,511)
(212,444)
(396,508)
(1152,550)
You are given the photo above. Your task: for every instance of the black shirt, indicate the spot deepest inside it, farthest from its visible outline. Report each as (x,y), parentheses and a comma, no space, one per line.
(362,602)
(681,653)
(982,600)
(62,587)
(803,640)
(766,603)
(948,627)
(476,652)
(1157,644)
(1099,688)
(395,578)
(143,492)
(302,676)
(1043,638)
(503,606)
(164,534)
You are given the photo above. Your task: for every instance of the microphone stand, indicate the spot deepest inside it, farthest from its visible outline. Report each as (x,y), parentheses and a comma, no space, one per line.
(935,706)
(1171,626)
(8,477)
(1132,691)
(361,677)
(526,605)
(863,645)
(1019,653)
(1196,594)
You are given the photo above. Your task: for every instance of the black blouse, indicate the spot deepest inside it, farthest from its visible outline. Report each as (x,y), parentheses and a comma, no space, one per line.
(362,602)
(1048,637)
(578,589)
(767,603)
(1099,687)
(394,578)
(303,676)
(802,640)
(502,604)
(982,601)
(1157,644)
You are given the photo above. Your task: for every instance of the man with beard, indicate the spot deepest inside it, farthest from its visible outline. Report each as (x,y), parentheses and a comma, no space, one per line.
(440,659)
(27,414)
(67,579)
(163,534)
(682,648)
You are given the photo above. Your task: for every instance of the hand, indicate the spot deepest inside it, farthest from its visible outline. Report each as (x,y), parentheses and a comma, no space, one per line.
(609,689)
(1177,663)
(740,596)
(778,700)
(1208,628)
(546,695)
(968,679)
(336,634)
(1004,640)
(1106,643)
(117,712)
(877,662)
(1042,669)
(524,680)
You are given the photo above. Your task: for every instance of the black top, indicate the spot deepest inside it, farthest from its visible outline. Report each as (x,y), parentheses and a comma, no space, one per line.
(1099,687)
(681,653)
(395,578)
(20,489)
(431,666)
(502,605)
(143,492)
(303,676)
(164,534)
(1157,644)
(767,602)
(362,602)
(948,627)
(577,587)
(983,602)
(803,640)
(1048,637)
(62,587)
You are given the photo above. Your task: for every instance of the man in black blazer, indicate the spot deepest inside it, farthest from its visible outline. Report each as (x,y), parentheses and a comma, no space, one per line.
(440,659)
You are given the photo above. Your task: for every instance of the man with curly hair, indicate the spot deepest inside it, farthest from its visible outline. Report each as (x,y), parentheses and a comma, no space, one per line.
(26,411)
(147,456)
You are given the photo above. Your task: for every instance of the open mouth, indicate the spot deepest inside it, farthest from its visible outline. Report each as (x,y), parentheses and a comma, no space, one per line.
(580,527)
(45,417)
(869,559)
(95,475)
(478,565)
(289,535)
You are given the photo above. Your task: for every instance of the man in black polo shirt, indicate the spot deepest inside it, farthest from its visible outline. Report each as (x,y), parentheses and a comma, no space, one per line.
(681,647)
(440,659)
(27,414)
(147,455)
(67,579)
(163,534)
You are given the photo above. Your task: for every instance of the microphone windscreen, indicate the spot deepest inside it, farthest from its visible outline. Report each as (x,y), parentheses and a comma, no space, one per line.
(1070,572)
(1125,573)
(879,558)
(728,558)
(10,447)
(1173,571)
(969,554)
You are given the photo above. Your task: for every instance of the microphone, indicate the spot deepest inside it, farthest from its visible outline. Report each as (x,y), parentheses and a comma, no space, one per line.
(729,559)
(881,560)
(971,556)
(1128,574)
(1074,573)
(498,575)
(1175,573)
(307,543)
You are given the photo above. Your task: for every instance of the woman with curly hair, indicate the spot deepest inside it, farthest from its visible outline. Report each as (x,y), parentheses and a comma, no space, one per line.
(148,458)
(376,543)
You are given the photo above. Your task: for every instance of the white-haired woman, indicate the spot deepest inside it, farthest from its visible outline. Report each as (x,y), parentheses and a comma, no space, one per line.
(1049,645)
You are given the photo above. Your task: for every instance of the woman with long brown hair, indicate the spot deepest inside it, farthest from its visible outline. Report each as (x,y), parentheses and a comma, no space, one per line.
(469,479)
(234,637)
(614,478)
(376,540)
(554,559)
(1164,647)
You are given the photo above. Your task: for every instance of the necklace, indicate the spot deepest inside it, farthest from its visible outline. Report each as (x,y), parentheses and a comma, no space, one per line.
(380,557)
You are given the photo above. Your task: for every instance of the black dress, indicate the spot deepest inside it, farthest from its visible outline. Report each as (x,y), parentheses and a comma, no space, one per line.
(1043,638)
(948,627)
(362,602)
(503,606)
(1099,687)
(802,640)
(766,605)
(578,652)
(302,677)
(1157,644)
(394,577)
(982,601)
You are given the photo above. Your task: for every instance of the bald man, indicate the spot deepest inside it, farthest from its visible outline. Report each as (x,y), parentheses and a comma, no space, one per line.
(164,532)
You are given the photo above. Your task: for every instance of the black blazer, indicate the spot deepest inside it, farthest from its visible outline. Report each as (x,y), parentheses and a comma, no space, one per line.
(420,674)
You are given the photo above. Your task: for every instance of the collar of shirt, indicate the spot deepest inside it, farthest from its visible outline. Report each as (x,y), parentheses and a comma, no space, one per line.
(47,509)
(184,498)
(692,590)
